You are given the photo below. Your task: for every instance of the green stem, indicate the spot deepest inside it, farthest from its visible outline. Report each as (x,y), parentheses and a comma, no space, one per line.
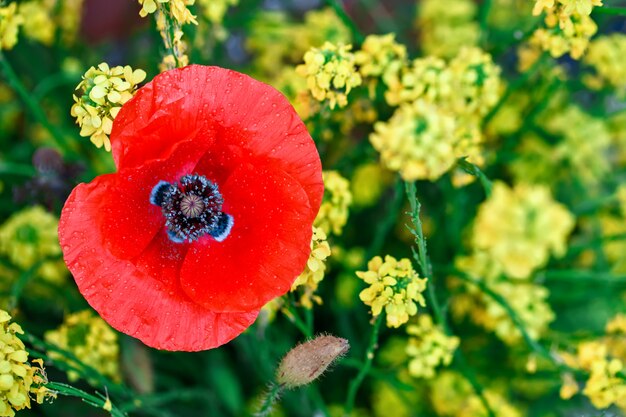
(347,20)
(25,276)
(613,11)
(162,398)
(99,401)
(421,257)
(365,368)
(472,169)
(269,400)
(483,15)
(10,168)
(32,105)
(293,316)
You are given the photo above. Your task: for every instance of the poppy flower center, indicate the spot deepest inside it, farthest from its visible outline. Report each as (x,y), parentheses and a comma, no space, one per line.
(192,208)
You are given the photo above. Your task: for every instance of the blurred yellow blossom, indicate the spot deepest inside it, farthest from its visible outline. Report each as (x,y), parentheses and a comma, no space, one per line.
(333,213)
(330,73)
(581,146)
(38,23)
(527,300)
(177,8)
(521,227)
(103,92)
(569,386)
(447,26)
(18,378)
(310,278)
(30,236)
(367,184)
(453,396)
(428,347)
(418,141)
(427,78)
(214,10)
(393,285)
(380,56)
(10,21)
(91,340)
(568,26)
(607,56)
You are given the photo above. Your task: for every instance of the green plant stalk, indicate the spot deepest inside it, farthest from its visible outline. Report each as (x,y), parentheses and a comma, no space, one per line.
(83,369)
(386,221)
(472,169)
(365,368)
(483,15)
(347,20)
(270,399)
(22,280)
(33,106)
(613,11)
(99,401)
(421,257)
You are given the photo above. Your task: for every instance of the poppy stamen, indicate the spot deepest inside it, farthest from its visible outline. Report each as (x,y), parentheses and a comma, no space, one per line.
(192,209)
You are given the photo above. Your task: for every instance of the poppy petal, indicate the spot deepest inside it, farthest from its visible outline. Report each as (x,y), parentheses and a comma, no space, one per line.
(219,107)
(266,250)
(128,219)
(158,313)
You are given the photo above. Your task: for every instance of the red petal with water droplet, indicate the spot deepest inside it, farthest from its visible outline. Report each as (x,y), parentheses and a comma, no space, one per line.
(212,104)
(131,300)
(266,250)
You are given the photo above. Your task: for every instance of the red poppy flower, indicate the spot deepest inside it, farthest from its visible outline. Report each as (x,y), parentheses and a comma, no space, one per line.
(208,216)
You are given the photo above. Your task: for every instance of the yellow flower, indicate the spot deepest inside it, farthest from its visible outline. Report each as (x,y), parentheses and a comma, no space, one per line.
(606,57)
(569,388)
(103,92)
(380,55)
(18,379)
(30,236)
(214,10)
(92,341)
(367,184)
(313,274)
(521,227)
(330,73)
(447,26)
(177,8)
(333,213)
(38,23)
(528,301)
(428,347)
(10,21)
(418,141)
(393,285)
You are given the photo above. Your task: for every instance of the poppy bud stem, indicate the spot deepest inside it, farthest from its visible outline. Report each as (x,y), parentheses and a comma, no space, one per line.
(268,402)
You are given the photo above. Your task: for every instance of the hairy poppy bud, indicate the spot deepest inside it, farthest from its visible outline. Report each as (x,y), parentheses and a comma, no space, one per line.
(306,362)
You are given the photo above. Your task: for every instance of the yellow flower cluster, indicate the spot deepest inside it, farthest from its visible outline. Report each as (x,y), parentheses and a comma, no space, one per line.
(418,141)
(447,26)
(453,396)
(568,26)
(18,378)
(313,274)
(367,183)
(333,213)
(275,39)
(380,56)
(38,23)
(604,387)
(330,73)
(521,227)
(214,10)
(393,285)
(528,300)
(103,92)
(177,8)
(606,56)
(584,142)
(10,22)
(92,341)
(441,109)
(30,236)
(428,347)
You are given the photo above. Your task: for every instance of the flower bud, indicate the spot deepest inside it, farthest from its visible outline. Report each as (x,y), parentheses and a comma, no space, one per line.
(306,362)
